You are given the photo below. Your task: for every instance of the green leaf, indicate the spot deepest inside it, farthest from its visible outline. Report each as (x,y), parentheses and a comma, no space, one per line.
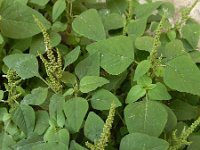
(117,53)
(75,110)
(138,141)
(113,21)
(76,146)
(195,144)
(58,8)
(191,33)
(72,56)
(37,43)
(159,92)
(50,146)
(28,143)
(40,3)
(24,117)
(145,81)
(93,126)
(142,68)
(69,78)
(17,20)
(135,93)
(26,65)
(1,94)
(37,96)
(173,49)
(183,110)
(90,83)
(171,121)
(182,74)
(89,25)
(144,43)
(102,100)
(144,118)
(6,141)
(4,115)
(137,27)
(90,66)
(42,122)
(56,107)
(59,136)
(117,6)
(145,10)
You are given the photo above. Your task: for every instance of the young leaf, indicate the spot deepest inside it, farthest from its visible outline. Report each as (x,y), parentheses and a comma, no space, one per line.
(135,93)
(24,117)
(26,65)
(89,25)
(58,8)
(136,141)
(72,56)
(75,110)
(159,92)
(102,100)
(90,83)
(117,53)
(93,127)
(142,68)
(144,118)
(37,96)
(17,20)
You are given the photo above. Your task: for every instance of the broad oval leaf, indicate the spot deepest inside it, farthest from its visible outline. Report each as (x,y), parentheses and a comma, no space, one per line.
(90,83)
(182,74)
(17,20)
(26,65)
(102,100)
(93,126)
(138,141)
(144,43)
(24,117)
(147,117)
(37,96)
(75,110)
(117,53)
(89,25)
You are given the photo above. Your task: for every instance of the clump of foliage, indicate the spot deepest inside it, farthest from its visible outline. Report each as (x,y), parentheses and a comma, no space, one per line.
(84,74)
